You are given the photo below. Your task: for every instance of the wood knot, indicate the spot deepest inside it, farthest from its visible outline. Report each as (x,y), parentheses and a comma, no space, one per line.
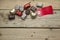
(0,34)
(31,35)
(46,38)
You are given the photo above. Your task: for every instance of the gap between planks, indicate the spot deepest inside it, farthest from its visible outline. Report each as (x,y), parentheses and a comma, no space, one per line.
(33,27)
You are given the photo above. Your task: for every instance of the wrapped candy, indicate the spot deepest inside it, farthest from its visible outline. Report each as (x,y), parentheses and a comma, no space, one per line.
(12,11)
(23,17)
(27,12)
(27,5)
(33,9)
(18,12)
(11,17)
(39,5)
(17,7)
(33,15)
(21,9)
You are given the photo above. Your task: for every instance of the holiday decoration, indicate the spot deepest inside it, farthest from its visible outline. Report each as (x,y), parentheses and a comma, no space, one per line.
(45,11)
(25,10)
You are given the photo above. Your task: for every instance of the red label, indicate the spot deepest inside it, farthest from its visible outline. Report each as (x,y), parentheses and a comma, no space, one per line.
(45,11)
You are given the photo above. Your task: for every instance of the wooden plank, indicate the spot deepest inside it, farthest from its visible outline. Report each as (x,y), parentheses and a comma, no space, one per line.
(9,4)
(29,34)
(44,21)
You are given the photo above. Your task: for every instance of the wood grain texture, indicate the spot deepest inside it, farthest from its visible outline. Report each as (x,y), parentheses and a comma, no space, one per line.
(30,34)
(9,4)
(44,21)
(27,31)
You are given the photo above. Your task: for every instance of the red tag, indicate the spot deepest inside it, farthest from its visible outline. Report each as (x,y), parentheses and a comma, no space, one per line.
(19,13)
(45,11)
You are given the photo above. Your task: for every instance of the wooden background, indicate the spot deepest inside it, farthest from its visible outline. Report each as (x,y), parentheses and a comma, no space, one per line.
(42,28)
